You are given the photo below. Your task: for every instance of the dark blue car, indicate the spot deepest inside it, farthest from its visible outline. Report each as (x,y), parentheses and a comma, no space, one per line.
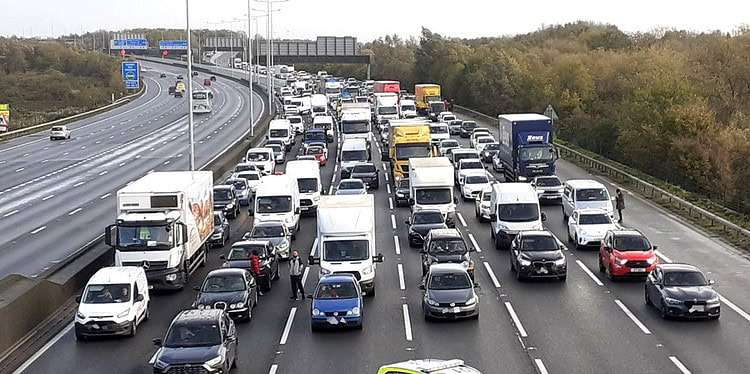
(337,303)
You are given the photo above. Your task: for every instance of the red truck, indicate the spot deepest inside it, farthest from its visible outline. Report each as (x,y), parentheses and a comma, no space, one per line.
(386,86)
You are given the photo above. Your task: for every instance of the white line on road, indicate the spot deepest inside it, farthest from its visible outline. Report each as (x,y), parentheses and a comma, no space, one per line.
(401,282)
(106,195)
(390,203)
(38,229)
(492,274)
(663,256)
(461,218)
(679,365)
(474,243)
(103,172)
(47,197)
(10,213)
(385,166)
(304,275)
(122,164)
(314,247)
(633,317)
(74,211)
(167,162)
(388,187)
(386,176)
(515,319)
(407,322)
(44,348)
(734,307)
(330,190)
(288,326)
(19,169)
(588,271)
(540,366)
(81,183)
(393,221)
(396,244)
(273,369)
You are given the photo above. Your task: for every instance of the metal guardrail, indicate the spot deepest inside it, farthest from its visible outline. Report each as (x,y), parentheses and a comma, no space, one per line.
(643,187)
(47,125)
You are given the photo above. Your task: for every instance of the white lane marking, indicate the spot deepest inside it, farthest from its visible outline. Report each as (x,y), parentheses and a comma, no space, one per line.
(47,197)
(679,365)
(19,169)
(81,183)
(10,213)
(474,243)
(76,210)
(540,366)
(390,203)
(588,271)
(393,221)
(516,321)
(122,164)
(3,161)
(385,166)
(44,349)
(167,162)
(663,256)
(401,283)
(45,161)
(38,229)
(330,190)
(288,326)
(633,317)
(106,195)
(273,369)
(103,172)
(388,187)
(461,218)
(492,274)
(314,247)
(386,177)
(407,322)
(396,244)
(304,275)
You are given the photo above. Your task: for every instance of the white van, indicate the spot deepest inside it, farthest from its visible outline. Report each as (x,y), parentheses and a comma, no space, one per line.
(438,132)
(262,158)
(326,123)
(281,129)
(277,199)
(307,173)
(354,151)
(514,207)
(319,104)
(586,194)
(114,302)
(408,108)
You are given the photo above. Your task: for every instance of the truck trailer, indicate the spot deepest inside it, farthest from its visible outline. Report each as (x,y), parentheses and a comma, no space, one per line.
(526,148)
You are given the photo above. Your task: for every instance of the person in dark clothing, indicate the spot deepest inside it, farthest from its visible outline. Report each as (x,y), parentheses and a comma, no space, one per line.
(619,203)
(255,266)
(295,275)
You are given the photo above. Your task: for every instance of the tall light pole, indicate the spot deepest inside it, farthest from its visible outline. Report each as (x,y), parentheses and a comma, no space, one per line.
(268,56)
(250,69)
(190,87)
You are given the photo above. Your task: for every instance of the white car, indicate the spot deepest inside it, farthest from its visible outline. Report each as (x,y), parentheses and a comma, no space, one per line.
(446,117)
(587,227)
(481,141)
(291,110)
(467,165)
(483,205)
(297,123)
(59,132)
(251,176)
(447,144)
(473,183)
(477,134)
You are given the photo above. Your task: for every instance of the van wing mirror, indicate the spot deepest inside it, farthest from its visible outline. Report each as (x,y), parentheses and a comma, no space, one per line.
(311,260)
(110,235)
(296,210)
(78,299)
(544,217)
(378,258)
(184,232)
(139,298)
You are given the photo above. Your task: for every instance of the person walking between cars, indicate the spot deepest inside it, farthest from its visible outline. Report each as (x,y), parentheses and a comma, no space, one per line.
(255,266)
(619,203)
(295,275)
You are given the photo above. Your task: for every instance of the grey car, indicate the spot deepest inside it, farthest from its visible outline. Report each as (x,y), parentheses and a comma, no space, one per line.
(448,293)
(351,187)
(682,291)
(220,235)
(274,232)
(242,188)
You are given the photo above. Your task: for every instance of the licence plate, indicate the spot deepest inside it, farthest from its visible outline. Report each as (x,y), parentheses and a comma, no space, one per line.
(697,308)
(637,270)
(542,271)
(95,326)
(456,310)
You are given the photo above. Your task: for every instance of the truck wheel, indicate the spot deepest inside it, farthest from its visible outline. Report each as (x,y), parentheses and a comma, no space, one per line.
(371,293)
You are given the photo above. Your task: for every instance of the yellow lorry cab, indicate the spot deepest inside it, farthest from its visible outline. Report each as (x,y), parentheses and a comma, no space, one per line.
(431,366)
(406,139)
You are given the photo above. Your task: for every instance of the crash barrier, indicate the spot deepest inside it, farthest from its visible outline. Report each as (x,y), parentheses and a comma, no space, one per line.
(645,188)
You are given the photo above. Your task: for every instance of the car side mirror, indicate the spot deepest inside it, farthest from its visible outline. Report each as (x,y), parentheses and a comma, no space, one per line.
(78,299)
(656,247)
(711,282)
(378,258)
(196,288)
(156,341)
(421,287)
(455,199)
(296,210)
(110,234)
(139,298)
(311,260)
(476,284)
(408,222)
(222,257)
(544,217)
(411,201)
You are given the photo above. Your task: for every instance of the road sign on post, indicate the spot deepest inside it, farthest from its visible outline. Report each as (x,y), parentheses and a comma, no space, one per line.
(131,74)
(4,117)
(173,45)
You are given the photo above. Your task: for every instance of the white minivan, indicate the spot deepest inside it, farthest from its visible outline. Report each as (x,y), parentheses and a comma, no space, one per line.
(585,194)
(277,199)
(514,207)
(281,129)
(354,151)
(262,158)
(114,302)
(307,173)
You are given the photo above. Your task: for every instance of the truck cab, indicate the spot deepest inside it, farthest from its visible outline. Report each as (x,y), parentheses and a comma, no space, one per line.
(307,173)
(526,149)
(386,107)
(407,139)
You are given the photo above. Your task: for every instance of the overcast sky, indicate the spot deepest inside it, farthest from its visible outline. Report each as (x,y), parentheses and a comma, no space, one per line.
(369,19)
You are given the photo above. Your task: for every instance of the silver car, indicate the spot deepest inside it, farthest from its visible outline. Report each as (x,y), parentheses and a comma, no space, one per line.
(549,188)
(351,187)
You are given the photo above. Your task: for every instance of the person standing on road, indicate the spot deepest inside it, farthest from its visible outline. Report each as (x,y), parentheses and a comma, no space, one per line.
(295,275)
(255,267)
(619,203)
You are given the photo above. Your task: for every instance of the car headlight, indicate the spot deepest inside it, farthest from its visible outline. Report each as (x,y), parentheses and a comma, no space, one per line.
(502,226)
(316,312)
(124,313)
(367,270)
(316,198)
(171,277)
(621,261)
(200,306)
(216,361)
(80,315)
(230,205)
(651,260)
(672,301)
(399,194)
(522,178)
(431,302)
(524,262)
(473,300)
(161,365)
(560,261)
(237,305)
(289,220)
(714,300)
(325,271)
(354,311)
(284,245)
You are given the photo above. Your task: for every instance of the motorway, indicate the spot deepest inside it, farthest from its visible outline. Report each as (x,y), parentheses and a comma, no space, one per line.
(585,325)
(56,196)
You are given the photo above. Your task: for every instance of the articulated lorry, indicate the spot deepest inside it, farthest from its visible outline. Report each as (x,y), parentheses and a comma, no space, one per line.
(431,186)
(407,138)
(526,148)
(424,94)
(164,220)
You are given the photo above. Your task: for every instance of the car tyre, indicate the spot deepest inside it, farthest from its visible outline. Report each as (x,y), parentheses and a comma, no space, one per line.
(563,278)
(267,286)
(601,265)
(81,337)
(663,310)
(133,328)
(371,293)
(647,298)
(519,277)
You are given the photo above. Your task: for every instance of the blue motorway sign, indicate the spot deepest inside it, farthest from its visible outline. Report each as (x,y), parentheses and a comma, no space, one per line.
(131,74)
(129,44)
(173,44)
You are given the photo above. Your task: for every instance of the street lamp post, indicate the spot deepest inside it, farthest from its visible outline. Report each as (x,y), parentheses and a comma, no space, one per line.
(250,69)
(190,86)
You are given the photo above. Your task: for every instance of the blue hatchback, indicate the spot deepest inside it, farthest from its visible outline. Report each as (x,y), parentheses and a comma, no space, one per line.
(337,302)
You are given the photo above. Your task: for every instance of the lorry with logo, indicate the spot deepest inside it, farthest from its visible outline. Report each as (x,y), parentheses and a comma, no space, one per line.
(407,138)
(164,221)
(424,94)
(526,150)
(386,86)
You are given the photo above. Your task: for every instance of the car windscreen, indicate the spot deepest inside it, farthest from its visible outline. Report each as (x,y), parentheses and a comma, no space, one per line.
(477,179)
(243,251)
(405,108)
(312,136)
(239,184)
(425,218)
(267,231)
(193,334)
(351,185)
(433,196)
(106,293)
(453,246)
(592,194)
(462,155)
(217,220)
(249,176)
(276,148)
(548,182)
(387,110)
(540,243)
(257,156)
(684,279)
(355,127)
(407,151)
(346,250)
(278,133)
(485,140)
(307,185)
(222,195)
(294,119)
(449,144)
(594,219)
(625,243)
(523,212)
(449,281)
(356,155)
(492,147)
(274,204)
(243,167)
(57,129)
(438,129)
(342,290)
(364,169)
(468,125)
(471,165)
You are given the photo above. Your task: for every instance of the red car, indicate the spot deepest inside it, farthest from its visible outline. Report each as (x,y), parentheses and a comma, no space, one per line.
(206,82)
(626,253)
(320,153)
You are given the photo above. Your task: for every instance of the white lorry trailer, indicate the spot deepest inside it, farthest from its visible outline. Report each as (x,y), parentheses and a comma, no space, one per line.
(164,220)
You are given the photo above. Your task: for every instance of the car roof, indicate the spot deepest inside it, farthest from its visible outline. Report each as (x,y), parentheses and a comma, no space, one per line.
(249,242)
(226,271)
(427,211)
(351,180)
(115,274)
(465,160)
(679,267)
(537,233)
(465,150)
(223,187)
(591,211)
(447,268)
(199,315)
(268,223)
(627,232)
(475,172)
(337,278)
(445,233)
(584,183)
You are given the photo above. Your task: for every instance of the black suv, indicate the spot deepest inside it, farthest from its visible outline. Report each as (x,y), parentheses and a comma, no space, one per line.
(420,224)
(239,257)
(538,254)
(225,200)
(367,173)
(466,128)
(446,246)
(198,341)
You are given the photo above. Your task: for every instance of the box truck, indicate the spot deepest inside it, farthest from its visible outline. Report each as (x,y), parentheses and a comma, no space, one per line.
(526,148)
(424,94)
(431,186)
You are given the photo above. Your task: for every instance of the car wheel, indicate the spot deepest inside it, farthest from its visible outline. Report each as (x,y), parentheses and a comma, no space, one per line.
(663,310)
(610,275)
(146,314)
(234,361)
(267,285)
(647,298)
(133,328)
(412,244)
(371,293)
(519,277)
(570,238)
(80,337)
(575,243)
(512,268)
(563,278)
(476,212)
(249,315)
(565,216)
(601,265)
(276,274)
